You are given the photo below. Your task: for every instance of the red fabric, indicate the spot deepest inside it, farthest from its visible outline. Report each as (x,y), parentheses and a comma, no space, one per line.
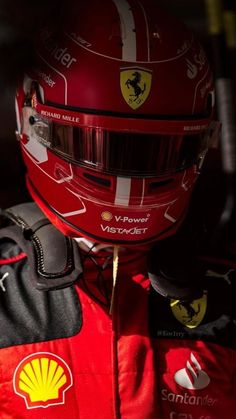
(117,370)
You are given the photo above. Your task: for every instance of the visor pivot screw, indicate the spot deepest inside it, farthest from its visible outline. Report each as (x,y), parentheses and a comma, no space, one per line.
(31,120)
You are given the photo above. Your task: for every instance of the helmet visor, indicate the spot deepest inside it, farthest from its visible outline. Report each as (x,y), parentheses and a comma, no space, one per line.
(120,153)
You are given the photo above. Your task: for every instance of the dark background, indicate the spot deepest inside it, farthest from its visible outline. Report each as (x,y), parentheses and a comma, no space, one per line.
(19,24)
(20,21)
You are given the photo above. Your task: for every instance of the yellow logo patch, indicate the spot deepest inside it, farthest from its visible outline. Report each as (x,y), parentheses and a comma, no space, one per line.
(106,216)
(135,84)
(42,380)
(190,314)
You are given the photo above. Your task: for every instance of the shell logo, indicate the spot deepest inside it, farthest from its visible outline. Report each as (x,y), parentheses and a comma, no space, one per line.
(42,380)
(106,216)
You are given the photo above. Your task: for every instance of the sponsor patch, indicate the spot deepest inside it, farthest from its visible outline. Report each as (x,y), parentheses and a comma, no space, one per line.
(190,314)
(42,380)
(135,84)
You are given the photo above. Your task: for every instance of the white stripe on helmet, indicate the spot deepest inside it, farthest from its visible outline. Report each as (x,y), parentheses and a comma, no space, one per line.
(128,34)
(123,187)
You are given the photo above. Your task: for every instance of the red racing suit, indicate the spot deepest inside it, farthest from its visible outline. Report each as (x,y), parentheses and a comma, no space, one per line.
(62,352)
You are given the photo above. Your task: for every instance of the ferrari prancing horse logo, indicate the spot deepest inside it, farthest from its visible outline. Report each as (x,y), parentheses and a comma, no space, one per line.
(135,84)
(190,314)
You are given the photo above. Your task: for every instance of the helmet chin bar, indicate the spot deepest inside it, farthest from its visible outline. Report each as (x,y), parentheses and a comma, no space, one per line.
(73,231)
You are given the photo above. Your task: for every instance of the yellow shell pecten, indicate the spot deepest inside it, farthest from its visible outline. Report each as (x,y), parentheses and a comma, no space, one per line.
(42,378)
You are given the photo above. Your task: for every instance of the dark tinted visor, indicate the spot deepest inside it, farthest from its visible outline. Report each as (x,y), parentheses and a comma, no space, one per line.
(121,153)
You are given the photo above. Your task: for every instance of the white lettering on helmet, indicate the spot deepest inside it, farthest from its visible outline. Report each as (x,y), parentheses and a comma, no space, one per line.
(123,231)
(131,220)
(49,114)
(46,77)
(195,127)
(60,54)
(62,117)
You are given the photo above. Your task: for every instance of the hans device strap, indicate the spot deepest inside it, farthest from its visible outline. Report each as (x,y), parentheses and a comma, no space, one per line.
(54,259)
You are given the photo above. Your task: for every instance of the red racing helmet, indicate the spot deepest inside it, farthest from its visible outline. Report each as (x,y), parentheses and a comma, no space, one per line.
(114,121)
